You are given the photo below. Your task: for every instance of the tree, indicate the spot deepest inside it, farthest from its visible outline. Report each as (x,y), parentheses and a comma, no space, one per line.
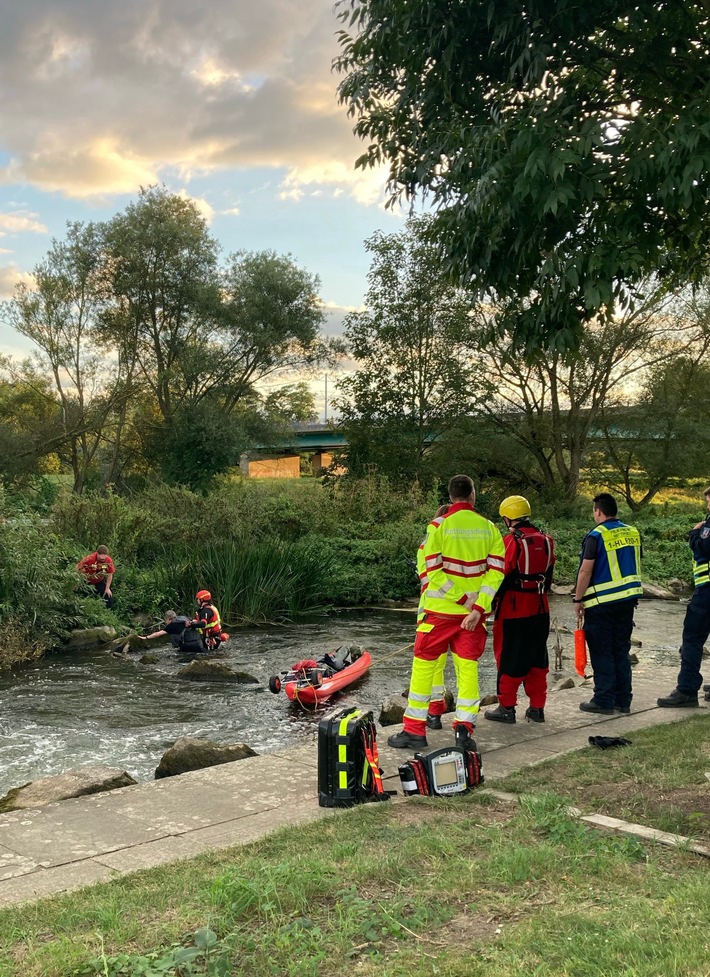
(413,350)
(662,432)
(60,313)
(552,404)
(566,146)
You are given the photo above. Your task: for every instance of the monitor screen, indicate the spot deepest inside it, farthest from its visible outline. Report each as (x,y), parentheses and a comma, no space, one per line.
(445,773)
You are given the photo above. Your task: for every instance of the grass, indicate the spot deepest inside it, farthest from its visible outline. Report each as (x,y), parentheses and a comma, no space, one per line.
(660,780)
(461,887)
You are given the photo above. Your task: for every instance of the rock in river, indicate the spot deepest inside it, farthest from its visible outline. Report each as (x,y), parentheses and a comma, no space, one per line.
(70,783)
(212,671)
(189,753)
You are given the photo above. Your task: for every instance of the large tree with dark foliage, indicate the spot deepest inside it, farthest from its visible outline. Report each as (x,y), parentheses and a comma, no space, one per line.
(566,145)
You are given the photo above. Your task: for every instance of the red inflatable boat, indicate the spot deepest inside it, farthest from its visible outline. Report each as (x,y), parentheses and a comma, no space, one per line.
(311,682)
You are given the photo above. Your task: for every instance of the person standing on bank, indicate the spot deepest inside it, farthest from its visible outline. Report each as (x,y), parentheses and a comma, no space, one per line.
(696,626)
(98,570)
(522,615)
(606,594)
(464,557)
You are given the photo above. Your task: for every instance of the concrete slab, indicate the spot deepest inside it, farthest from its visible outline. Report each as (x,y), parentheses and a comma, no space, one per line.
(50,882)
(90,839)
(70,831)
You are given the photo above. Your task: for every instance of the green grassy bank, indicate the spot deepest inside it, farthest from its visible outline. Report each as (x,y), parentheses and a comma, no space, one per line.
(268,550)
(457,888)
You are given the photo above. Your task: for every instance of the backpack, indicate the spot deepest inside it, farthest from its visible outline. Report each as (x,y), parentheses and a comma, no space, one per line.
(535,558)
(348,763)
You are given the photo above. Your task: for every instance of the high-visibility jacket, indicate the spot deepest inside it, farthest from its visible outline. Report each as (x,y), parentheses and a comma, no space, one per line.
(464,560)
(209,623)
(699,540)
(617,567)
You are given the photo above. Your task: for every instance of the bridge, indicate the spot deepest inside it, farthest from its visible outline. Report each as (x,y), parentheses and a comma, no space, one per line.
(283,460)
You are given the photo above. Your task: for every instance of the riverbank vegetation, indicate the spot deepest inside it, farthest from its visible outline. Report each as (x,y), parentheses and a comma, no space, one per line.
(471,886)
(269,550)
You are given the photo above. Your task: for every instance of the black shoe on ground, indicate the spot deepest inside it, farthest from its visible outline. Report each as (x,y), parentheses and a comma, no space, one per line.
(624,710)
(593,706)
(501,714)
(464,740)
(677,698)
(433,722)
(706,688)
(707,696)
(535,715)
(407,741)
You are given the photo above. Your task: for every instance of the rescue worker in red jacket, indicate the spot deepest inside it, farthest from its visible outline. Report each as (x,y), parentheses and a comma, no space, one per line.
(464,560)
(98,570)
(522,615)
(207,620)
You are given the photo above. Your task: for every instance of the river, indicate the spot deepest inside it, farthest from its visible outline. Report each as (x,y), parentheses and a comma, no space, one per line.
(72,710)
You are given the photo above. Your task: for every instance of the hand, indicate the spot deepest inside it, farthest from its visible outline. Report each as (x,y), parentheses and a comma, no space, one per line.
(470,622)
(580,613)
(698,525)
(143,637)
(107,592)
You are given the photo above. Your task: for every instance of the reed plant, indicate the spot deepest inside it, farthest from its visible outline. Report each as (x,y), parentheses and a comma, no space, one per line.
(253,581)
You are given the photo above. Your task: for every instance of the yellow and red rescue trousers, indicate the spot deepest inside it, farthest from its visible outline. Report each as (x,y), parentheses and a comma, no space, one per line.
(464,557)
(437,704)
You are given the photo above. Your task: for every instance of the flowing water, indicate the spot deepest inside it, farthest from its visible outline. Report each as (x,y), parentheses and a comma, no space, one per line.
(72,710)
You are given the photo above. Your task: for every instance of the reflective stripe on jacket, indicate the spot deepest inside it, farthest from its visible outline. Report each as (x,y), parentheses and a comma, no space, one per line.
(617,567)
(464,560)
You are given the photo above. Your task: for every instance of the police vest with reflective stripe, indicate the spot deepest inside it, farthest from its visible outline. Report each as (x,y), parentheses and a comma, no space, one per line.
(617,567)
(701,572)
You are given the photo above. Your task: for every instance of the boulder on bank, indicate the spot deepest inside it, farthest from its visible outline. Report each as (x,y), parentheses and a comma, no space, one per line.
(134,643)
(655,592)
(189,753)
(85,638)
(392,711)
(212,671)
(392,708)
(70,783)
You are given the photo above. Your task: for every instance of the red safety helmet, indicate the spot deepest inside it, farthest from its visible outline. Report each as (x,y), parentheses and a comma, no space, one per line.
(203,595)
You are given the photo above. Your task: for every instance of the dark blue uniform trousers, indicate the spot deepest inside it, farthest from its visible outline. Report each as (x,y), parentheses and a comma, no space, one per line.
(696,629)
(607,628)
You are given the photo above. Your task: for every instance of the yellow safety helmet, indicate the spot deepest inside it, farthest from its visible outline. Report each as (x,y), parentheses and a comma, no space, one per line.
(515,507)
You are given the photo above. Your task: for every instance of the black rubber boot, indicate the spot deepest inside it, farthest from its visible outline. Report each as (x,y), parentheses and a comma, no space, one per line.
(464,740)
(407,741)
(677,698)
(593,706)
(433,722)
(501,714)
(535,715)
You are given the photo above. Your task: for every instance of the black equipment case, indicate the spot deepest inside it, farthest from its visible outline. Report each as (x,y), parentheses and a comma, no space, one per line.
(348,763)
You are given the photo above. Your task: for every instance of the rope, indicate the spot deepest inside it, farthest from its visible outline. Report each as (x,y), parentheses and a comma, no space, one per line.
(393,654)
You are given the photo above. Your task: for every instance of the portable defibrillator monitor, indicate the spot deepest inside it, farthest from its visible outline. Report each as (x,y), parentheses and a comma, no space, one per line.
(446,771)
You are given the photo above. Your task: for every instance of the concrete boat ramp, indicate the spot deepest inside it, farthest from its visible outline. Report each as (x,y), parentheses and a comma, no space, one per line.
(78,842)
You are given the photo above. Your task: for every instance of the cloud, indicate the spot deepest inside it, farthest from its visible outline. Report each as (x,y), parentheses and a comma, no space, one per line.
(204,206)
(11,275)
(106,97)
(21,221)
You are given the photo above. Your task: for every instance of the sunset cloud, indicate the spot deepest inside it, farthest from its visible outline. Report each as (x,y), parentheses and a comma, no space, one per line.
(20,222)
(114,96)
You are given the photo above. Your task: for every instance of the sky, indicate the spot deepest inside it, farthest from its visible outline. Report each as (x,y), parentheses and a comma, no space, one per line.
(230,102)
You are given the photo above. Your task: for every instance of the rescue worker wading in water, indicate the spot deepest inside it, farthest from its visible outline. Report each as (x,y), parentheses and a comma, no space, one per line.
(207,620)
(464,557)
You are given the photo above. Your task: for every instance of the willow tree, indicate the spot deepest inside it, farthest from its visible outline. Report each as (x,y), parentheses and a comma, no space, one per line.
(412,349)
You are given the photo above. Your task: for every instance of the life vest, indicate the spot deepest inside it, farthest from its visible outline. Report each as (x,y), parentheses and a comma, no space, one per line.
(617,566)
(209,629)
(96,567)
